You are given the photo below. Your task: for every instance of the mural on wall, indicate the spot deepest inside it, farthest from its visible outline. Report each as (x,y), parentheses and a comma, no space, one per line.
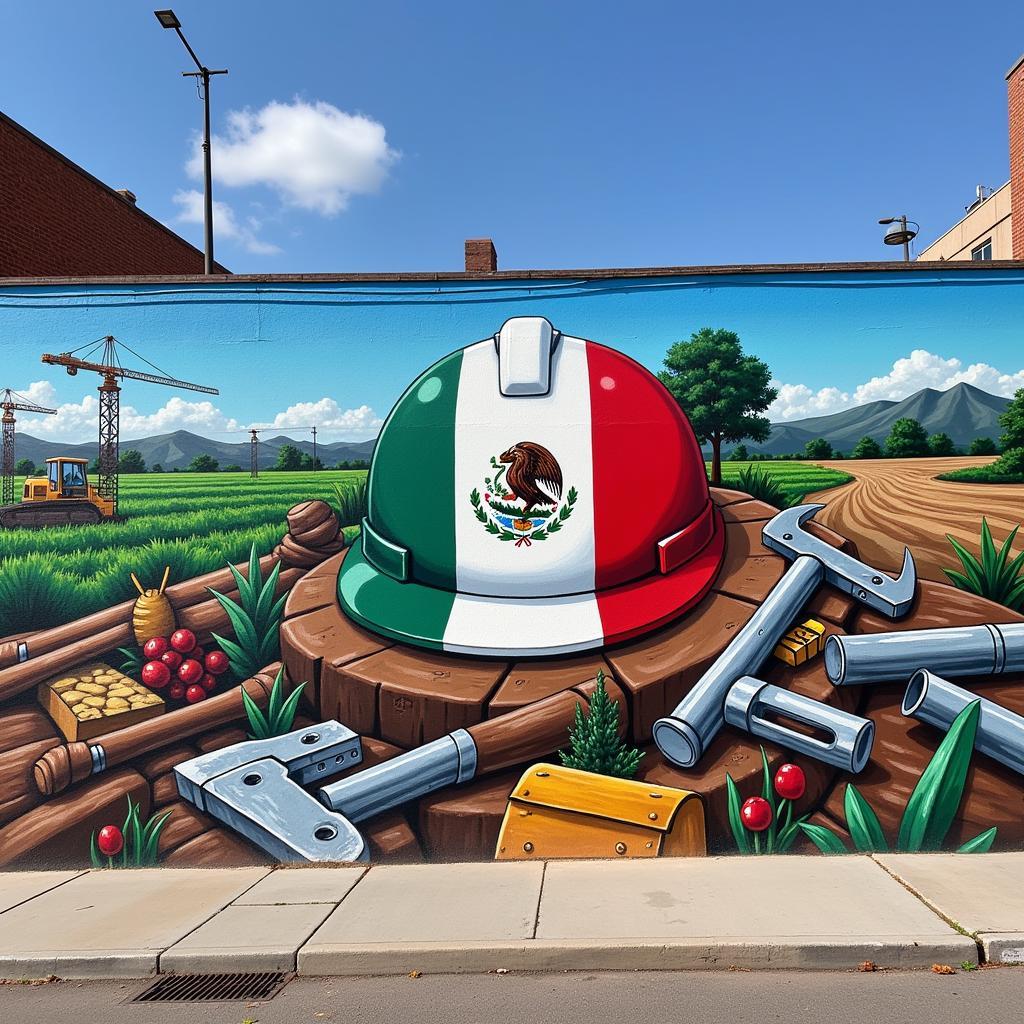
(568,598)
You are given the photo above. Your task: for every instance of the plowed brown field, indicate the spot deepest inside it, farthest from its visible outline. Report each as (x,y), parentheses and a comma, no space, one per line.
(894,503)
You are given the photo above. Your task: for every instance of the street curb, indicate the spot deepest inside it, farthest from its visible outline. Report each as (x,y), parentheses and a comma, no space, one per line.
(829,953)
(92,966)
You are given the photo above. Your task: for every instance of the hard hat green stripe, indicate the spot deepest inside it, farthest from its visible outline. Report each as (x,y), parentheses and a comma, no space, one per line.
(412,478)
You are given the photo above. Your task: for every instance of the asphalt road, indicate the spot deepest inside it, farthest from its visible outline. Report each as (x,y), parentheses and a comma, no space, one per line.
(992,996)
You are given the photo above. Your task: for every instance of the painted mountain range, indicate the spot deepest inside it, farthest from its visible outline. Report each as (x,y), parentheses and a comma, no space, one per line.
(177,450)
(964,412)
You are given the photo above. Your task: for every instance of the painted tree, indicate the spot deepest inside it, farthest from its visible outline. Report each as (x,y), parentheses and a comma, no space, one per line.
(721,390)
(24,467)
(1012,422)
(866,448)
(819,448)
(131,461)
(289,458)
(594,743)
(941,444)
(983,446)
(203,464)
(907,439)
(740,454)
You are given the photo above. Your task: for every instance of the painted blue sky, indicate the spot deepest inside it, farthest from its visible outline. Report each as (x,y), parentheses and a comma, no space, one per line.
(358,137)
(340,354)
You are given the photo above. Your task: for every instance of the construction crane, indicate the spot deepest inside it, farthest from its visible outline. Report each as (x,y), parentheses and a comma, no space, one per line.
(11,402)
(110,369)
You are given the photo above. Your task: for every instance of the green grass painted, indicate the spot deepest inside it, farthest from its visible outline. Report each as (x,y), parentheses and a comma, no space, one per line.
(796,479)
(195,522)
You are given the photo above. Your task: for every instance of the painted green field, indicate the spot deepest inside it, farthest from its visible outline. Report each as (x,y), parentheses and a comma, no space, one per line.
(795,478)
(196,522)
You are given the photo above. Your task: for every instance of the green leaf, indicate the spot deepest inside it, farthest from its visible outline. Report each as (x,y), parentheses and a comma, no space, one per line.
(276,697)
(936,797)
(823,838)
(981,843)
(865,828)
(788,834)
(257,722)
(151,837)
(739,833)
(242,584)
(286,715)
(262,612)
(768,792)
(972,567)
(94,853)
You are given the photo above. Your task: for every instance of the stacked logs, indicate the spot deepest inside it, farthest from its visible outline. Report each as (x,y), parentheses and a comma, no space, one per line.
(139,758)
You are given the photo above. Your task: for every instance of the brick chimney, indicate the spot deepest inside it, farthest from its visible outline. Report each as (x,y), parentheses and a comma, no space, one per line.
(1015,102)
(481,257)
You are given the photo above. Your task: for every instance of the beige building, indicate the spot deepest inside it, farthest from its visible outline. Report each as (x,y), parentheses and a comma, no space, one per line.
(983,233)
(986,231)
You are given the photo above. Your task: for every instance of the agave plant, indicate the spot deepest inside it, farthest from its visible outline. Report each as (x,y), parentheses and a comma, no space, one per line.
(930,810)
(280,712)
(255,618)
(993,575)
(762,485)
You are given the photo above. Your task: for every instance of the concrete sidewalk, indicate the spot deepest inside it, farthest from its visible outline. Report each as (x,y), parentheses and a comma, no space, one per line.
(752,912)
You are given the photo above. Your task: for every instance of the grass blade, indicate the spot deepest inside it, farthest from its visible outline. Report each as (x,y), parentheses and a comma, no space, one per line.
(739,833)
(823,838)
(286,716)
(261,613)
(936,797)
(94,853)
(276,699)
(257,722)
(865,828)
(981,843)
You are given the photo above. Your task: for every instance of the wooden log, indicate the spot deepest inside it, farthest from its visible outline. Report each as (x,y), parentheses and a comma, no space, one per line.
(17,783)
(181,595)
(537,678)
(57,833)
(69,763)
(462,822)
(185,823)
(218,848)
(317,589)
(25,725)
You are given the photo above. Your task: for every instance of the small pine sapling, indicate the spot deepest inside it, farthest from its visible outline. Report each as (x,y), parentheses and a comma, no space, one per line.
(594,740)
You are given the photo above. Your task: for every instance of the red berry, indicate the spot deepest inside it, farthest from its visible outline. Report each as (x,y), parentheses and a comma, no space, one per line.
(176,690)
(208,682)
(216,662)
(183,640)
(198,653)
(109,841)
(790,782)
(756,814)
(190,671)
(172,659)
(194,694)
(154,647)
(156,675)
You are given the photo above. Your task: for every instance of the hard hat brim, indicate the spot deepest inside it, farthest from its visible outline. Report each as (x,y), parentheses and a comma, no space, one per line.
(488,626)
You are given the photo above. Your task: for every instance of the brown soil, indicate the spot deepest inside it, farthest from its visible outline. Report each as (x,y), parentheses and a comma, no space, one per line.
(894,503)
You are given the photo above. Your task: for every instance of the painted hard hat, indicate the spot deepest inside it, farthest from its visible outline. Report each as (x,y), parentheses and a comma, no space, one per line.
(532,494)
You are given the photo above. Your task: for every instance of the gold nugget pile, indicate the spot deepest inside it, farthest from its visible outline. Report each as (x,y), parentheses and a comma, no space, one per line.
(97,699)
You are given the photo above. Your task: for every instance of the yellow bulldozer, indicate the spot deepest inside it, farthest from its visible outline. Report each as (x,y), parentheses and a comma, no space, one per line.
(63,497)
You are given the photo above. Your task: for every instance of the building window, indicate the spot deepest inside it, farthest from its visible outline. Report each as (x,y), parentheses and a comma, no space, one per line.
(983,251)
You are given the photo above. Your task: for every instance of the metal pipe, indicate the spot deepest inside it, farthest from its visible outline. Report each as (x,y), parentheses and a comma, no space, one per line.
(684,735)
(852,737)
(444,762)
(937,701)
(985,650)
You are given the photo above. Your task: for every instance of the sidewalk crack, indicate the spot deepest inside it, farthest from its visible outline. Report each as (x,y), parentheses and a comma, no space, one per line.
(540,896)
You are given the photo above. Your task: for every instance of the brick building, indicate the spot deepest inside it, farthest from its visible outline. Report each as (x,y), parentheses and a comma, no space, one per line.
(57,220)
(988,229)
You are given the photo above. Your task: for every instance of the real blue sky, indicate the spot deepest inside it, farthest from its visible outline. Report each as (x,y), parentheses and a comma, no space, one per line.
(355,136)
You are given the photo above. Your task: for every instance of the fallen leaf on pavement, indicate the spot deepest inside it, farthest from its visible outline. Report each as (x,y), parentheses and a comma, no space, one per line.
(415,974)
(942,969)
(868,965)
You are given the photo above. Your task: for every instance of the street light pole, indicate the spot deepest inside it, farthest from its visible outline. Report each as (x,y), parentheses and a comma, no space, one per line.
(170,20)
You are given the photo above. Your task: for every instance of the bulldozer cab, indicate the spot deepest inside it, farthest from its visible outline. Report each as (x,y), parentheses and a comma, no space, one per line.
(67,478)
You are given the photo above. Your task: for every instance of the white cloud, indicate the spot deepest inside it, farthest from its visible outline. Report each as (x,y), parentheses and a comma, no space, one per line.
(921,369)
(76,422)
(313,154)
(226,224)
(329,417)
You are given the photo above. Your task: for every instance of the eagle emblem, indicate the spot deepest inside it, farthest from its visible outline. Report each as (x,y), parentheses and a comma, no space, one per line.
(521,500)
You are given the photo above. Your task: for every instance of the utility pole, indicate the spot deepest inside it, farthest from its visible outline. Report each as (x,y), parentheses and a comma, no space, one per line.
(170,20)
(254,453)
(314,449)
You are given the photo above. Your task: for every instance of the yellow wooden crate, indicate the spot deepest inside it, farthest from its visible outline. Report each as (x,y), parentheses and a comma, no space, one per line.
(801,643)
(556,812)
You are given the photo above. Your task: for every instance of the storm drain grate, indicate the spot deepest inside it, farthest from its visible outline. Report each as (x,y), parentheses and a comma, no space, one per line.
(213,988)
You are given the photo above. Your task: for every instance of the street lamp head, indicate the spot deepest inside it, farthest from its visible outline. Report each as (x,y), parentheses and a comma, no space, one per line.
(888,220)
(168,19)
